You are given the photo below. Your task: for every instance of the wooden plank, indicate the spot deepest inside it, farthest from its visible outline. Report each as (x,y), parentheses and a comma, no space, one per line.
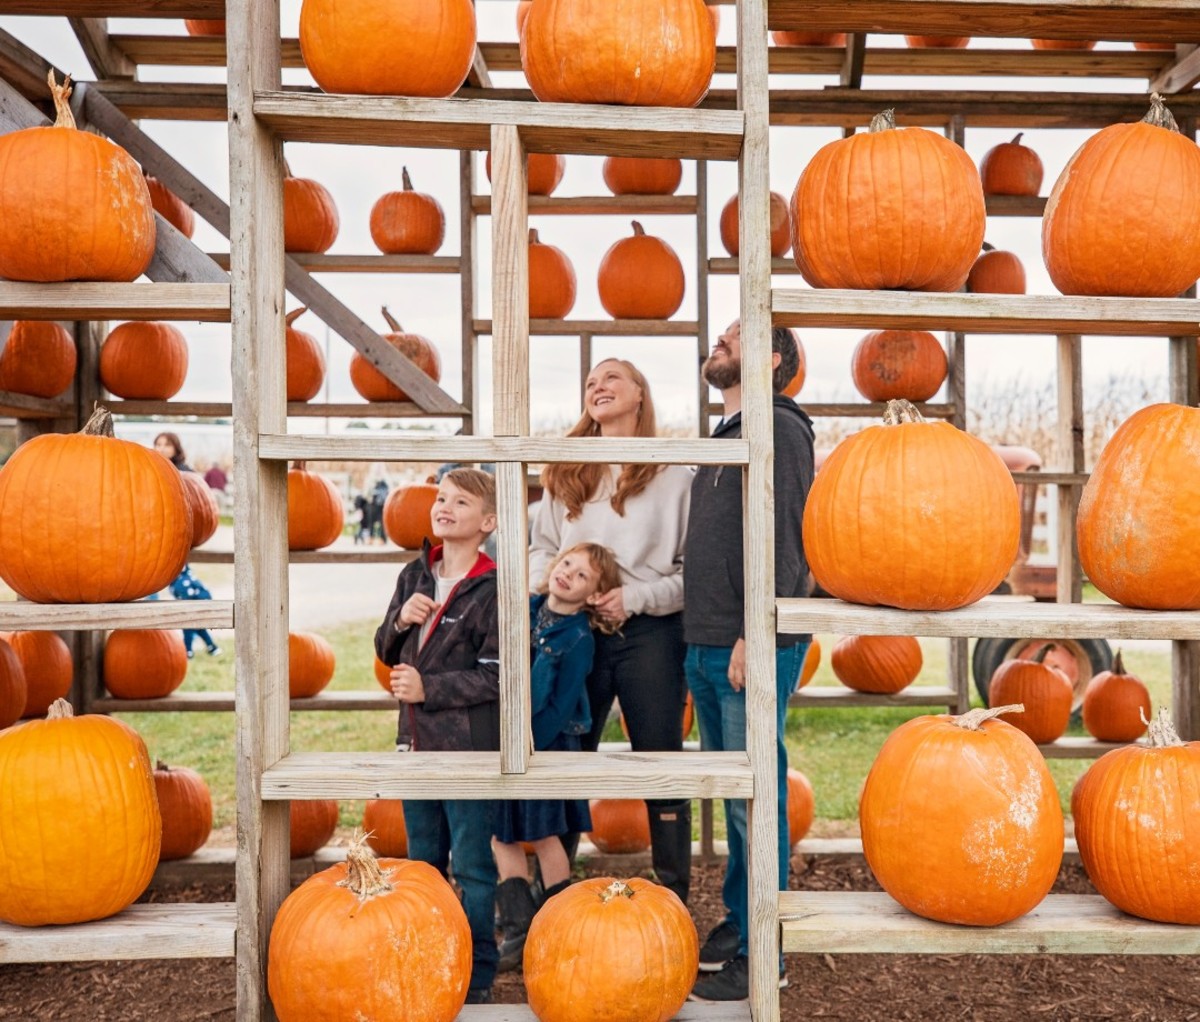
(477,775)
(202,303)
(1077,747)
(854,60)
(872,923)
(370,262)
(703,390)
(25,406)
(367,555)
(167,101)
(468,242)
(1185,689)
(119,8)
(224,702)
(466,124)
(50,617)
(1180,75)
(995,314)
(690,1012)
(141,931)
(295,409)
(870,410)
(1071,458)
(479,76)
(814,696)
(599,205)
(731,265)
(958,666)
(23,69)
(105,57)
(601,327)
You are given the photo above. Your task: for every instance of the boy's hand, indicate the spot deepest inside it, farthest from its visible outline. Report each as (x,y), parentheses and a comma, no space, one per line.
(407,685)
(417,608)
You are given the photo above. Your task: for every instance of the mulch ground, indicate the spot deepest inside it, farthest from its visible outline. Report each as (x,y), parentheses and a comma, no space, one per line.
(853,988)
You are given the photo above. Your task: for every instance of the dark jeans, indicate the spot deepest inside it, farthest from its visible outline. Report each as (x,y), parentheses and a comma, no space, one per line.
(459,832)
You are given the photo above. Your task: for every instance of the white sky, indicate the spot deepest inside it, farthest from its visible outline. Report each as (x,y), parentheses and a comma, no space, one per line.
(430,305)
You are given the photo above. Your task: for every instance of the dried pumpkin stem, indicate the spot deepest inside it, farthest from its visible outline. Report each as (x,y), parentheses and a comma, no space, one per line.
(298,466)
(60,709)
(1118,667)
(395,327)
(1040,656)
(160,765)
(1162,731)
(100,424)
(885,121)
(63,118)
(364,878)
(1159,115)
(1017,140)
(533,236)
(900,411)
(295,314)
(617,889)
(405,180)
(973,720)
(638,230)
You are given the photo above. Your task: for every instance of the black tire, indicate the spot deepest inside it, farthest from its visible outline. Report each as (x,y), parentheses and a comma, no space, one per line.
(1091,655)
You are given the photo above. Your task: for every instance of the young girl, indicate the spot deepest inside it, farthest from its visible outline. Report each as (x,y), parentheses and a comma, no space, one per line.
(561,617)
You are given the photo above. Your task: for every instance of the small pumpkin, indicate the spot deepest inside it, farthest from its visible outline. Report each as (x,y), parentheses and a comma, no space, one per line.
(315,512)
(313,822)
(310,664)
(551,280)
(808,38)
(543,171)
(407,515)
(812,660)
(996,272)
(889,364)
(781,237)
(144,361)
(1063,44)
(796,383)
(46,666)
(1116,705)
(1011,168)
(144,663)
(640,278)
(171,207)
(373,385)
(305,361)
(13,690)
(1044,691)
(884,664)
(185,804)
(620,826)
(801,806)
(39,359)
(206,515)
(408,222)
(942,42)
(205,26)
(642,175)
(383,822)
(310,217)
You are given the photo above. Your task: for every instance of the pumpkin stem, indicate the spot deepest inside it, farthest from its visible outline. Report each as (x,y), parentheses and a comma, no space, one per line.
(287,169)
(973,720)
(395,327)
(364,878)
(160,765)
(1118,667)
(100,424)
(1017,140)
(900,411)
(298,466)
(60,709)
(989,247)
(1159,115)
(405,180)
(638,230)
(533,236)
(1162,731)
(885,121)
(617,889)
(295,314)
(63,118)
(1040,656)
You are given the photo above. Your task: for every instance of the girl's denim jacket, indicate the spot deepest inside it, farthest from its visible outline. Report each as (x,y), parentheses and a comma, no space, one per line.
(560,661)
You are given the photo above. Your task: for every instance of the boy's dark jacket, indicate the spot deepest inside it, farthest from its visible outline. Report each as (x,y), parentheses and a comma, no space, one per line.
(459,663)
(561,660)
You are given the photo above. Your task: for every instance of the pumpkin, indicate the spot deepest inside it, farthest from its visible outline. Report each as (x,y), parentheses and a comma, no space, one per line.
(781,237)
(310,218)
(89,518)
(171,207)
(894,208)
(607,950)
(808,38)
(689,717)
(796,383)
(1044,691)
(73,206)
(370,939)
(912,514)
(960,819)
(522,14)
(1153,46)
(206,515)
(205,26)
(638,53)
(1121,219)
(80,831)
(383,675)
(551,280)
(1063,44)
(310,664)
(1011,168)
(620,826)
(640,278)
(305,361)
(383,821)
(1136,529)
(1116,705)
(996,272)
(543,171)
(1137,822)
(801,807)
(642,175)
(144,361)
(812,660)
(407,515)
(883,664)
(313,822)
(373,385)
(315,512)
(945,42)
(388,47)
(144,663)
(185,804)
(47,668)
(13,690)
(39,359)
(715,14)
(908,364)
(408,222)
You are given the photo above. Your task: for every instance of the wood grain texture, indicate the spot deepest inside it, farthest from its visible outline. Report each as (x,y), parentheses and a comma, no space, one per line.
(25,406)
(119,8)
(1185,689)
(224,702)
(365,556)
(106,59)
(601,327)
(1077,747)
(958,667)
(703,326)
(844,846)
(295,409)
(468,285)
(599,205)
(42,617)
(1179,75)
(1071,458)
(516,738)
(838,695)
(370,262)
(202,303)
(510,284)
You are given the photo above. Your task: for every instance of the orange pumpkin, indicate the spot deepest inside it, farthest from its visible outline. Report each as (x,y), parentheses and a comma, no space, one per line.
(1137,821)
(1044,691)
(1011,168)
(39,359)
(1116,705)
(996,272)
(310,664)
(315,512)
(1153,46)
(80,828)
(522,14)
(205,26)
(89,518)
(13,690)
(912,514)
(312,823)
(383,821)
(73,206)
(945,42)
(640,278)
(144,361)
(551,280)
(808,38)
(171,207)
(383,675)
(812,660)
(642,175)
(801,806)
(373,385)
(620,826)
(1121,218)
(1063,44)
(884,664)
(796,383)
(407,515)
(305,361)
(781,237)
(370,939)
(408,222)
(46,666)
(908,364)
(186,807)
(980,851)
(388,47)
(206,515)
(642,53)
(894,208)
(543,171)
(1136,528)
(310,218)
(144,663)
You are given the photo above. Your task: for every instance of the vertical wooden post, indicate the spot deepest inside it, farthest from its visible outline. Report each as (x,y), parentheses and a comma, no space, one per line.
(468,268)
(1070,459)
(703,326)
(958,662)
(585,363)
(1185,688)
(87,647)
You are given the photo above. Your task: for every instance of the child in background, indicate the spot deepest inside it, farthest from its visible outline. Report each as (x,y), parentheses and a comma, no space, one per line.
(560,620)
(187,587)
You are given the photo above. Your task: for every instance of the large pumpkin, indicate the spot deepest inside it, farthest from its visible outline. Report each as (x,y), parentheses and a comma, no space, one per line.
(144,361)
(642,175)
(206,515)
(171,207)
(310,664)
(640,278)
(47,668)
(73,206)
(370,939)
(997,272)
(912,514)
(312,823)
(1044,692)
(635,53)
(310,217)
(620,826)
(607,950)
(1011,168)
(884,664)
(801,806)
(1116,705)
(1123,218)
(543,171)
(315,512)
(406,515)
(80,831)
(1137,821)
(144,663)
(960,819)
(781,237)
(408,222)
(89,518)
(808,38)
(388,47)
(551,280)
(185,804)
(889,364)
(13,690)
(205,26)
(1136,529)
(373,385)
(305,361)
(39,359)
(383,826)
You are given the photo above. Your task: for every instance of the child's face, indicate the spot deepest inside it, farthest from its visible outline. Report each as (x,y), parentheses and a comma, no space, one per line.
(458,514)
(574,579)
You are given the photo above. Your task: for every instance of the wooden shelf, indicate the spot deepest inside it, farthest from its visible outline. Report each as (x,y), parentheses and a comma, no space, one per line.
(872,410)
(369,555)
(25,406)
(467,123)
(601,327)
(223,702)
(872,923)
(989,617)
(141,931)
(295,409)
(839,695)
(202,303)
(1078,747)
(67,617)
(738,1011)
(732,265)
(119,8)
(992,314)
(477,775)
(599,205)
(370,262)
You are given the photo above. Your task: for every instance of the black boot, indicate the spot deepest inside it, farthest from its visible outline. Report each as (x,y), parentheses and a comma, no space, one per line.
(551,891)
(516,907)
(671,845)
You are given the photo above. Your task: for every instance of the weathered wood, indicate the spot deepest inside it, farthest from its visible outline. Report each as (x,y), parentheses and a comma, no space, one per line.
(1185,689)
(119,8)
(295,409)
(102,53)
(224,702)
(468,240)
(1071,458)
(368,263)
(23,69)
(599,205)
(838,695)
(703,326)
(204,303)
(25,406)
(1179,75)
(479,76)
(168,101)
(854,60)
(601,327)
(48,617)
(382,555)
(845,846)
(958,667)
(731,264)
(1077,747)
(690,1012)
(868,410)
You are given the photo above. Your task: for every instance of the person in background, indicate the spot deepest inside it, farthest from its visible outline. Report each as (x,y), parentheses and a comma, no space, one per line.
(216,477)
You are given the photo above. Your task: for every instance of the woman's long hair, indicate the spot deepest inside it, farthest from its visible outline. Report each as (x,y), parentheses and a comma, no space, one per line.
(179,458)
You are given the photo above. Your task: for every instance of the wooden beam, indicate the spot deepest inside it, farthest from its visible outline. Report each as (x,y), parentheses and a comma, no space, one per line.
(602,327)
(853,60)
(817,696)
(295,409)
(1180,75)
(599,205)
(119,8)
(202,303)
(371,262)
(102,53)
(55,617)
(23,69)
(478,75)
(25,406)
(1070,458)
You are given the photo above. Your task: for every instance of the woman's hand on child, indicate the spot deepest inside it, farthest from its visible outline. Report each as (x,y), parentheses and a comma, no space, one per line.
(611,606)
(407,685)
(737,666)
(417,608)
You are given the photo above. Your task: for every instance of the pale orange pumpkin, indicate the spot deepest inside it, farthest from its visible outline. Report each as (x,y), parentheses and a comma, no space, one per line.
(801,806)
(13,690)
(185,804)
(1063,44)
(171,207)
(1044,692)
(543,171)
(1011,168)
(315,512)
(640,278)
(206,515)
(908,364)
(383,822)
(408,222)
(46,666)
(373,385)
(551,280)
(642,175)
(884,664)
(383,674)
(310,217)
(144,663)
(997,272)
(620,826)
(310,664)
(205,26)
(808,38)
(144,361)
(312,823)
(39,359)
(305,361)
(407,515)
(945,42)
(1116,705)
(781,237)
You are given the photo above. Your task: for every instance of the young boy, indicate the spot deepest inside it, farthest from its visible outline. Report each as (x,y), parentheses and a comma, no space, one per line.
(441,637)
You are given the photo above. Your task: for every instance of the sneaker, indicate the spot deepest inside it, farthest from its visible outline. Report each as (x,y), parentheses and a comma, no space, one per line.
(479,996)
(214,650)
(732,983)
(720,946)
(190,654)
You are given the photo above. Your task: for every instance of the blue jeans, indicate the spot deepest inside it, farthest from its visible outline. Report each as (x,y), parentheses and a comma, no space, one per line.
(721,713)
(461,830)
(203,634)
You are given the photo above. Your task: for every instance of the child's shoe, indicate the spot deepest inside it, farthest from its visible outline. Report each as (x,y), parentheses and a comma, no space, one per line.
(214,651)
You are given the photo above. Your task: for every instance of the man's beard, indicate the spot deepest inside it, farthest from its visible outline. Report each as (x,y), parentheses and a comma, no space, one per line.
(722,375)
